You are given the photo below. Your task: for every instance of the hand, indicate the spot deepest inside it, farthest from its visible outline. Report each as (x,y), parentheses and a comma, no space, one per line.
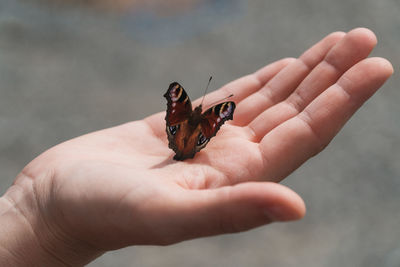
(120,186)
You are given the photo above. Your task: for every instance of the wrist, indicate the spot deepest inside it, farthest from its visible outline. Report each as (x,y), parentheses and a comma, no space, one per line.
(29,234)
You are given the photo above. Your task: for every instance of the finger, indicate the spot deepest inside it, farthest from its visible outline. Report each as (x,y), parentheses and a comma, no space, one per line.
(355,46)
(240,88)
(285,82)
(245,85)
(296,140)
(238,208)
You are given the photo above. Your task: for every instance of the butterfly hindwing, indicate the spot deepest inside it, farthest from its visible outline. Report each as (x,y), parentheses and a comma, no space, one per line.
(214,117)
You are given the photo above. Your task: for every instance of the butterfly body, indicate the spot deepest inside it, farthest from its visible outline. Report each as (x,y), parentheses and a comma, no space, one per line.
(189,130)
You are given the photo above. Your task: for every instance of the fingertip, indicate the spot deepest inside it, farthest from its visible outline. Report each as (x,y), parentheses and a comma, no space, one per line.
(242,207)
(298,207)
(287,60)
(267,72)
(365,35)
(383,64)
(336,35)
(355,46)
(374,68)
(318,51)
(289,206)
(299,210)
(277,202)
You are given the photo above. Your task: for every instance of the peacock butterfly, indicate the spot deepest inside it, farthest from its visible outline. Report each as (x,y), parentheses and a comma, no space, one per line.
(189,130)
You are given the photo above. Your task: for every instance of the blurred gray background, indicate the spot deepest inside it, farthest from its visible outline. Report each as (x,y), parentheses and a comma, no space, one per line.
(69,69)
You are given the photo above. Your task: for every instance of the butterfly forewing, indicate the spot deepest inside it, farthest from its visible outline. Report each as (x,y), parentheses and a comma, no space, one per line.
(179,106)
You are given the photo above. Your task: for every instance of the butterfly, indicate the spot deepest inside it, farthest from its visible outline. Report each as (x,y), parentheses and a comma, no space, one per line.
(189,130)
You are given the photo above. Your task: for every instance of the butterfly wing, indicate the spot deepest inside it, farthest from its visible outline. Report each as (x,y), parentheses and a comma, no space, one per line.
(179,109)
(212,120)
(179,106)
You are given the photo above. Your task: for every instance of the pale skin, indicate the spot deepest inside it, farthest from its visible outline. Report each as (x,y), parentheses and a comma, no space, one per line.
(120,186)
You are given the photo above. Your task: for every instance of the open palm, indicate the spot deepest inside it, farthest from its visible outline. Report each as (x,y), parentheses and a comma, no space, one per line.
(120,186)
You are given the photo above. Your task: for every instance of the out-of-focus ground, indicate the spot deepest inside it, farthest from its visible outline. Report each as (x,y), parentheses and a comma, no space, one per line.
(71,68)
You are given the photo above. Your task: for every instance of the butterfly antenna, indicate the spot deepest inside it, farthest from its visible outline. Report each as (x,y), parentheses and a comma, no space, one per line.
(221,99)
(205,91)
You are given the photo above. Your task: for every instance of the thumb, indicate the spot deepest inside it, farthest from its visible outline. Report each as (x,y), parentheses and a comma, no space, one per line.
(240,207)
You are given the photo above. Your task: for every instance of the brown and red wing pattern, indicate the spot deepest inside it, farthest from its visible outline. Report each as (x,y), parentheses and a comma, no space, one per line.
(179,106)
(189,131)
(214,117)
(179,110)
